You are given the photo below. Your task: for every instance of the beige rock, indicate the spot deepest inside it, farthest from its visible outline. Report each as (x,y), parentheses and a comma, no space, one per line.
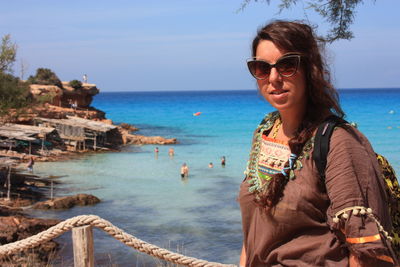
(145,140)
(107,121)
(67,202)
(65,96)
(54,92)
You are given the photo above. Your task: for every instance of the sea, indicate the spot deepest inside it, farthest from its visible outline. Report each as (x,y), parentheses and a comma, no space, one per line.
(142,192)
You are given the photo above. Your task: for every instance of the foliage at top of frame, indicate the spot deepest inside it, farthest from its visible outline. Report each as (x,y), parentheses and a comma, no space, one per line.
(339,14)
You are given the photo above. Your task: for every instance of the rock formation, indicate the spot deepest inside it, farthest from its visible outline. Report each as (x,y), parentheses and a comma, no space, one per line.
(73,102)
(67,202)
(52,93)
(66,96)
(82,97)
(14,226)
(146,140)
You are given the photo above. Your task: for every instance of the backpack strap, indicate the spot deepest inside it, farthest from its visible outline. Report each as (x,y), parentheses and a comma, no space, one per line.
(321,142)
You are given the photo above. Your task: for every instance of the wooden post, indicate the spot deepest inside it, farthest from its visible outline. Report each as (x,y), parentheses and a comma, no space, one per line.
(51,191)
(82,239)
(95,140)
(9,183)
(43,140)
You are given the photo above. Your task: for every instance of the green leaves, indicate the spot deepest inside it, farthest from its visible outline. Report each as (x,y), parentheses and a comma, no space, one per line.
(246,2)
(8,52)
(14,94)
(76,84)
(339,14)
(46,77)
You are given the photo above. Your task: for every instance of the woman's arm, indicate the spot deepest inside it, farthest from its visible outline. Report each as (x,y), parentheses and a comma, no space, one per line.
(358,206)
(242,262)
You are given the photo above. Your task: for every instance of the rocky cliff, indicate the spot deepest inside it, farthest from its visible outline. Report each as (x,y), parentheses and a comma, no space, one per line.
(65,96)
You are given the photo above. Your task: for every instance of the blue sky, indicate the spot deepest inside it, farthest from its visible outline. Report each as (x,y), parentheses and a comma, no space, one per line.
(185,45)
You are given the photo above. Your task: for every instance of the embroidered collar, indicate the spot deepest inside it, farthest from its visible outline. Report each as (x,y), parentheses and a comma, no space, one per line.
(260,184)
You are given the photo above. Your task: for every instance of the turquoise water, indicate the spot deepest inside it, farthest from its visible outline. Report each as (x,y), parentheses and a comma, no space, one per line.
(144,194)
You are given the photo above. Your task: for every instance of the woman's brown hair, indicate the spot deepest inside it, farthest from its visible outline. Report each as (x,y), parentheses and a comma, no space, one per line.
(322,98)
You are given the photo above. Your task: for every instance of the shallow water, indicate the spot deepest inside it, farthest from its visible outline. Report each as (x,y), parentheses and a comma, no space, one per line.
(144,194)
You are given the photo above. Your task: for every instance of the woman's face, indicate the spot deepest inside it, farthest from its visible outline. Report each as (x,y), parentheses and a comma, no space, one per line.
(286,94)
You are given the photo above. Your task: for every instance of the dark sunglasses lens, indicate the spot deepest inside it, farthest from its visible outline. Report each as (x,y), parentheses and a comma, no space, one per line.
(259,69)
(288,66)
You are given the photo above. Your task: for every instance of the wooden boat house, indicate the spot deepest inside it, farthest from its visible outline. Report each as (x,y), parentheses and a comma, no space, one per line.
(79,133)
(14,136)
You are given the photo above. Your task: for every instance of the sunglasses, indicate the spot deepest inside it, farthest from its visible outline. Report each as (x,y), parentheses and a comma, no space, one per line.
(286,66)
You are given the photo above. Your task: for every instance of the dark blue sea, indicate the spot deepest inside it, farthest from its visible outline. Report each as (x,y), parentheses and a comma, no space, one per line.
(144,194)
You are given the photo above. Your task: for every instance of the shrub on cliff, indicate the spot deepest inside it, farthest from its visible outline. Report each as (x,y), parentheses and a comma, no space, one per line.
(14,94)
(46,77)
(76,84)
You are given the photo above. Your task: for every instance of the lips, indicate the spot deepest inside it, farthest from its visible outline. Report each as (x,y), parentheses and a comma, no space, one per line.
(278,92)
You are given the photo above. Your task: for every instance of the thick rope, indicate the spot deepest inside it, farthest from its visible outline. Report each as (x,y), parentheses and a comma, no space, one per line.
(112,230)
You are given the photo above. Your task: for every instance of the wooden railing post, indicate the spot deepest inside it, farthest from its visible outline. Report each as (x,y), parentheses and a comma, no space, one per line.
(9,183)
(82,240)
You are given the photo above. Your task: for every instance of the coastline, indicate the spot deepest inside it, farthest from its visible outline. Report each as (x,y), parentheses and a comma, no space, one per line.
(40,135)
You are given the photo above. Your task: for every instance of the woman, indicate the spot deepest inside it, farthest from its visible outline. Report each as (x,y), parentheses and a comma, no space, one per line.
(290,216)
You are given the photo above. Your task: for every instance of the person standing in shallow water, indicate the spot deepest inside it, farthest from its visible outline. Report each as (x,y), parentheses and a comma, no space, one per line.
(31,162)
(223,161)
(156,150)
(184,171)
(290,216)
(171,152)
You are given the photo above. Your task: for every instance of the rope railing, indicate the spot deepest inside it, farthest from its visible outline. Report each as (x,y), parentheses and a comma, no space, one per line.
(117,233)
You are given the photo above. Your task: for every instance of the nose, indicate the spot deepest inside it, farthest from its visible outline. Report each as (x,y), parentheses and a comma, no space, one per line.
(274,76)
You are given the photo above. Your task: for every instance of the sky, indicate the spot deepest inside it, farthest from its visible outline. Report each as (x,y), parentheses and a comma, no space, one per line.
(172,45)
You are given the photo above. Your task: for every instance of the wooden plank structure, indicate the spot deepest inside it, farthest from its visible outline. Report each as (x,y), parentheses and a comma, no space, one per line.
(25,130)
(78,132)
(10,133)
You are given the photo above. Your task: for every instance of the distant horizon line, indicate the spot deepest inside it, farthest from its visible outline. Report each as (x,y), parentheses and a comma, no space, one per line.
(238,90)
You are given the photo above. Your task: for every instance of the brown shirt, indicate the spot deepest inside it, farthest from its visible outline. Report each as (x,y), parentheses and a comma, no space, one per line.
(301,231)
